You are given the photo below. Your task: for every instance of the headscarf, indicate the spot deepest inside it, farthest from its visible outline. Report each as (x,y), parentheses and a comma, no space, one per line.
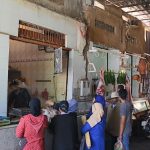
(100,99)
(73,105)
(64,106)
(35,106)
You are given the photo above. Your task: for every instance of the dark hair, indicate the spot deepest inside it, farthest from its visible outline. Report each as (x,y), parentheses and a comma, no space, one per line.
(35,107)
(120,87)
(123,93)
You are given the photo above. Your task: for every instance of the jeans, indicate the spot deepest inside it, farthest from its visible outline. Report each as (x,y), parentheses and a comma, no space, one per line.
(126,141)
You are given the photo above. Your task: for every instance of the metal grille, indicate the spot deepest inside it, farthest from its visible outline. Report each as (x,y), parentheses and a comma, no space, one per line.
(42,35)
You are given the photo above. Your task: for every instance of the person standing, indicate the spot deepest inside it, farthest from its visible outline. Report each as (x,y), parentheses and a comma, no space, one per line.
(64,128)
(32,127)
(125,118)
(113,121)
(96,119)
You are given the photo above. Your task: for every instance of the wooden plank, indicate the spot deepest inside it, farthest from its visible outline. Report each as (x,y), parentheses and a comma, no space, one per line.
(38,43)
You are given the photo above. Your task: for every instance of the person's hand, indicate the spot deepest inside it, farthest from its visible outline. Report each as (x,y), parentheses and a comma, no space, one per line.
(101,74)
(119,138)
(128,84)
(83,118)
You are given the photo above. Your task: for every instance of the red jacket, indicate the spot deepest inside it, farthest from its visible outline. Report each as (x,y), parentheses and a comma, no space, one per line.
(33,129)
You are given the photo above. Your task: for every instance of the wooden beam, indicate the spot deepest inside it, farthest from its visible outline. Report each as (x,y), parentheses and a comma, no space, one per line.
(38,43)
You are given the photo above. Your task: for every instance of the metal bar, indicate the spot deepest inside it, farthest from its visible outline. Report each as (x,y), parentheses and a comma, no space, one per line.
(137,4)
(137,10)
(109,2)
(43,80)
(145,19)
(142,14)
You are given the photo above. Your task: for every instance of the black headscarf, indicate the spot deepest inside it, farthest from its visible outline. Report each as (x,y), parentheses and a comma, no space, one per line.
(35,106)
(64,106)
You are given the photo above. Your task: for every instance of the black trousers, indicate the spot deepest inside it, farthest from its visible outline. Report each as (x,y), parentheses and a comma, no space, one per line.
(110,141)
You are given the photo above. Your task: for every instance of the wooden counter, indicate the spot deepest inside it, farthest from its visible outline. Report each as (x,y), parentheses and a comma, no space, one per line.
(8,140)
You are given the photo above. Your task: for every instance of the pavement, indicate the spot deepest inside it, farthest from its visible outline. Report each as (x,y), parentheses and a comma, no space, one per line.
(140,143)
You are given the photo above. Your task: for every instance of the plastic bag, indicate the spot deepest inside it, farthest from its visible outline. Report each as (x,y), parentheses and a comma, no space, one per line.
(22,143)
(118,145)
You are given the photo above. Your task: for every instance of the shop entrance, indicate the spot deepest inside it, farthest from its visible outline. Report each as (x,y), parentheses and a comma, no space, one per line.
(38,61)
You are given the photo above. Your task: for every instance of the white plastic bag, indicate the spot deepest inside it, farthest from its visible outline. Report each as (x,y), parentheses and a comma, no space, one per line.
(118,145)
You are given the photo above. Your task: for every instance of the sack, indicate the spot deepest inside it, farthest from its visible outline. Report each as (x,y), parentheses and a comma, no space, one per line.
(118,145)
(22,143)
(82,144)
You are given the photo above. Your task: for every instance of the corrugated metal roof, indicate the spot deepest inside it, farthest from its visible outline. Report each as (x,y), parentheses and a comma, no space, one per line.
(137,8)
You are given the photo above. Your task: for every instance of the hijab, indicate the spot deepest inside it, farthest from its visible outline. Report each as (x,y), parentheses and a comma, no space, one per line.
(64,106)
(35,107)
(100,99)
(73,105)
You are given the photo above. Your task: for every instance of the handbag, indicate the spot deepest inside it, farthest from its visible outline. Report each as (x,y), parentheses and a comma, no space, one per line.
(118,145)
(22,143)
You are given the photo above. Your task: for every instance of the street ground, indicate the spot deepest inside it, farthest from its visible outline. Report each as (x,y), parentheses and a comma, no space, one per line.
(140,143)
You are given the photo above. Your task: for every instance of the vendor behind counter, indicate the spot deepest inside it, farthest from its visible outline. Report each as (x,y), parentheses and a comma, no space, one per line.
(18,97)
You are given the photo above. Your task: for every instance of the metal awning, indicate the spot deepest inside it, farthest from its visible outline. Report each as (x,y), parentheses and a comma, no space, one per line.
(137,8)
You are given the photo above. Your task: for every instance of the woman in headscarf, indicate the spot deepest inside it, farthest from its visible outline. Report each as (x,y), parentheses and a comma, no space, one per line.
(32,127)
(96,119)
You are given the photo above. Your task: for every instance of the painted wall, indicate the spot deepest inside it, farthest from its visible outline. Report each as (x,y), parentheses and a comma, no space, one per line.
(66,7)
(13,11)
(4,55)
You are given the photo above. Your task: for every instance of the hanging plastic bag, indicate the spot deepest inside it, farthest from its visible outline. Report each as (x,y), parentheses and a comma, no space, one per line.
(22,143)
(118,145)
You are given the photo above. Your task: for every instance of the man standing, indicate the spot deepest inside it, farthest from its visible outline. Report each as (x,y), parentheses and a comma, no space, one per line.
(113,121)
(125,118)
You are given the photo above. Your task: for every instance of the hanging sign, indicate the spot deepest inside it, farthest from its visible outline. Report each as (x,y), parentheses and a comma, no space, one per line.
(58,60)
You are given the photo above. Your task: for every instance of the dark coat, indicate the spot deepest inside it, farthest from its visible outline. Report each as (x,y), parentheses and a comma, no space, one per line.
(65,132)
(19,98)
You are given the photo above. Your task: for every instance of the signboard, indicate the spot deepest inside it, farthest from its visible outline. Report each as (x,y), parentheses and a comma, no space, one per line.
(58,60)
